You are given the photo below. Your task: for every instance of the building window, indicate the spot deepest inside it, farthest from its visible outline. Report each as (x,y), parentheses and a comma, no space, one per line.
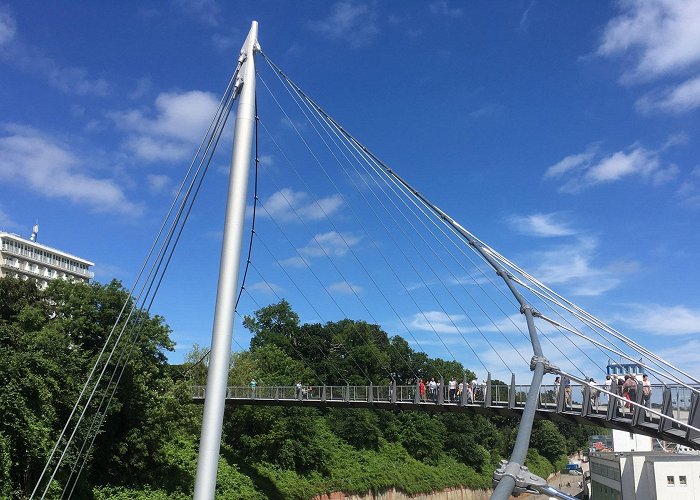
(682,481)
(670,481)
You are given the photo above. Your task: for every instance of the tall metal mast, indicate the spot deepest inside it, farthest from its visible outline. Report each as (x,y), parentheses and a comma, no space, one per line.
(222,334)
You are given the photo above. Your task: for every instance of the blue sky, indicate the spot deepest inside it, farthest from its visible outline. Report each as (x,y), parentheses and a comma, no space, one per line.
(565,136)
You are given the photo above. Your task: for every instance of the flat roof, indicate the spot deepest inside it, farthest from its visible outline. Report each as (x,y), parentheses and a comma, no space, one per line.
(651,456)
(4,234)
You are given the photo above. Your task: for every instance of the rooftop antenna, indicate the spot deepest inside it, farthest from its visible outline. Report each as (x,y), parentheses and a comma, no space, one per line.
(35,232)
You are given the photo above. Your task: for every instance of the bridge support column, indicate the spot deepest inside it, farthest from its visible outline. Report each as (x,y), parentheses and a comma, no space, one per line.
(323,393)
(561,396)
(234,221)
(694,418)
(487,391)
(511,392)
(637,411)
(666,409)
(586,403)
(346,396)
(441,392)
(464,389)
(393,391)
(370,393)
(416,396)
(613,403)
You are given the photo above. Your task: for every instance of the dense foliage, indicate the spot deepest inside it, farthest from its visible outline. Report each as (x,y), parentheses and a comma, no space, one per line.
(147,448)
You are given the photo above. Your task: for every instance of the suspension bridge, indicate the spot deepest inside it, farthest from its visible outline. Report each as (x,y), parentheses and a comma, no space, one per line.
(395,258)
(672,416)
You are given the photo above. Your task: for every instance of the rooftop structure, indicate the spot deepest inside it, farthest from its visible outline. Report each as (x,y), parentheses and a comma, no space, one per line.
(26,259)
(644,475)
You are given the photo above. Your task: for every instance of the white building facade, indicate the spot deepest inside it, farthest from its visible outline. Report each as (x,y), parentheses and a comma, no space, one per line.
(26,259)
(644,476)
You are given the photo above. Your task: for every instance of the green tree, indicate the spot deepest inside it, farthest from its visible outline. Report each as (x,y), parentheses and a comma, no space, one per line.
(547,439)
(275,324)
(358,427)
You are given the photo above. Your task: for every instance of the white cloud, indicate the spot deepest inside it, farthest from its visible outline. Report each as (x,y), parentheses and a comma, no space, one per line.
(659,41)
(571,265)
(621,164)
(224,43)
(545,225)
(345,288)
(158,183)
(5,220)
(348,21)
(205,11)
(179,122)
(684,355)
(442,8)
(8,26)
(76,81)
(70,80)
(438,321)
(295,261)
(569,163)
(583,171)
(287,205)
(143,86)
(523,24)
(664,320)
(661,36)
(32,160)
(679,99)
(332,243)
(689,191)
(265,287)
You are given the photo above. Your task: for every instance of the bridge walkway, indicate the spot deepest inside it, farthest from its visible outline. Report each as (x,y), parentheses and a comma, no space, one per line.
(673,414)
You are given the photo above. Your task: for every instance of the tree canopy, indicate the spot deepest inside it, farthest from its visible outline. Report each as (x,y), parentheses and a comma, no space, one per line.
(147,444)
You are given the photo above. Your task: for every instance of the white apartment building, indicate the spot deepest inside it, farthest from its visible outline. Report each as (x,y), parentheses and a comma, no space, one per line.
(644,476)
(27,259)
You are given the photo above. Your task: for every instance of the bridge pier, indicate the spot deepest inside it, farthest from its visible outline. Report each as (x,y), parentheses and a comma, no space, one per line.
(666,409)
(511,392)
(464,390)
(694,418)
(487,391)
(638,413)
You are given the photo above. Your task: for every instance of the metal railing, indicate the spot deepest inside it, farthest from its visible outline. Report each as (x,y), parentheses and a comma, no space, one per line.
(678,400)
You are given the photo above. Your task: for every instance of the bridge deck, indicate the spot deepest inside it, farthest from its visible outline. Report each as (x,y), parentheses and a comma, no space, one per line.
(501,400)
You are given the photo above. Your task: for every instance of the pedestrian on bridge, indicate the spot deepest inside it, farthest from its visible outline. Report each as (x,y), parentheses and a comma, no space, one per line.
(471,392)
(567,393)
(432,387)
(253,384)
(629,389)
(646,392)
(453,390)
(421,389)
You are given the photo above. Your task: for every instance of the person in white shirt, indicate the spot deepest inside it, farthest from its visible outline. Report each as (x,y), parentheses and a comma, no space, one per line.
(453,390)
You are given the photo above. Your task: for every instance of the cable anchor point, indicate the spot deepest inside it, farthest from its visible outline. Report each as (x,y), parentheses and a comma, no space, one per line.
(525,481)
(548,366)
(535,313)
